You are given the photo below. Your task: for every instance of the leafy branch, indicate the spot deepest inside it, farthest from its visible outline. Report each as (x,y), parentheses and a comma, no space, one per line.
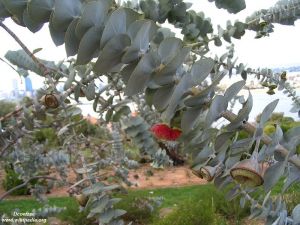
(265,139)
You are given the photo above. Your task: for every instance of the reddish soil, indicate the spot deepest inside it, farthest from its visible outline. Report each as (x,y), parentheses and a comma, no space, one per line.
(168,177)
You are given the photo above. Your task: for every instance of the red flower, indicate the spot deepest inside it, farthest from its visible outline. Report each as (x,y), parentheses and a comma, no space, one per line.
(164,132)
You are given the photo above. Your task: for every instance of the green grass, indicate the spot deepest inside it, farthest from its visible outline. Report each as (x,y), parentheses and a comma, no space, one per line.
(202,204)
(71,214)
(199,204)
(278,187)
(192,198)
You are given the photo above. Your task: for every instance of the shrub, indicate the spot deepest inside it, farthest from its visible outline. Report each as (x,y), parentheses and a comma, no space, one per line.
(275,117)
(285,123)
(140,210)
(206,206)
(292,198)
(191,212)
(12,180)
(6,107)
(47,135)
(231,210)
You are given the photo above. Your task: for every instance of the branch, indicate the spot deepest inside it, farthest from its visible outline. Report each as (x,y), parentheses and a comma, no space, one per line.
(14,113)
(3,150)
(24,184)
(43,68)
(83,180)
(265,138)
(286,86)
(8,65)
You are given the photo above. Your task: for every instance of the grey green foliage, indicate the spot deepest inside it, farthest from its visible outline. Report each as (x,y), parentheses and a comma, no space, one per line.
(131,47)
(161,159)
(138,130)
(234,6)
(285,12)
(193,24)
(100,205)
(117,144)
(22,60)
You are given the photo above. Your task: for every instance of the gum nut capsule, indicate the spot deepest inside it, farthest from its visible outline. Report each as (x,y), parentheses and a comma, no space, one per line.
(208,172)
(248,173)
(50,101)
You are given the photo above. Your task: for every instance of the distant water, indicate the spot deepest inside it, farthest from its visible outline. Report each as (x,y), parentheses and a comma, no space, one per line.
(260,100)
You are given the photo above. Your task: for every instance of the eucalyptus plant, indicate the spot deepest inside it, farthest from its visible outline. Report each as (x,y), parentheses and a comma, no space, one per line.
(128,46)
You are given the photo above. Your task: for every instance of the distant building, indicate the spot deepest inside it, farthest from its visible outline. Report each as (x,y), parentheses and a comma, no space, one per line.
(15,85)
(28,87)
(28,84)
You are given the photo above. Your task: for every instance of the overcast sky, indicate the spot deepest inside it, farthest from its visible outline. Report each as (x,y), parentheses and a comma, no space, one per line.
(280,49)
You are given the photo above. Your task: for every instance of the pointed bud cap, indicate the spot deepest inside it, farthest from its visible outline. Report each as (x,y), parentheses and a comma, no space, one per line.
(81,199)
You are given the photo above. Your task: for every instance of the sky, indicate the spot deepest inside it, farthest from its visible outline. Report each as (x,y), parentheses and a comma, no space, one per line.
(280,49)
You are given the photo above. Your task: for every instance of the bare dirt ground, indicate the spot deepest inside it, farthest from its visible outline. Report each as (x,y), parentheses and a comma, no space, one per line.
(141,177)
(169,177)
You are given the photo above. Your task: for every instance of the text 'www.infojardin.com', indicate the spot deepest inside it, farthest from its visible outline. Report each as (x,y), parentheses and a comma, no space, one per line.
(23,218)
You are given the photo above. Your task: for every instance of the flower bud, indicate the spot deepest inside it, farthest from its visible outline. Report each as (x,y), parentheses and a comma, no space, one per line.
(262,23)
(270,92)
(81,199)
(283,76)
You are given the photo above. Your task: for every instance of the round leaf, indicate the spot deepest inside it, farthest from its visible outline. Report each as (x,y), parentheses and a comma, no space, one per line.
(111,54)
(94,14)
(88,46)
(141,75)
(71,41)
(40,10)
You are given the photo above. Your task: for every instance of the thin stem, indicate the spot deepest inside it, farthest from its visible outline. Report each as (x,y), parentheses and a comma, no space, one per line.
(9,65)
(43,68)
(3,150)
(15,112)
(255,152)
(86,170)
